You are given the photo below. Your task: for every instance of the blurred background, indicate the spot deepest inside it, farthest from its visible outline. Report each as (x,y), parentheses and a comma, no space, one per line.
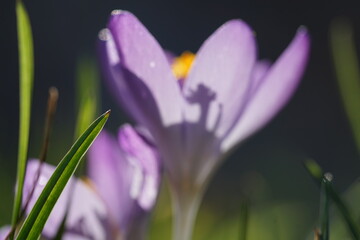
(267,170)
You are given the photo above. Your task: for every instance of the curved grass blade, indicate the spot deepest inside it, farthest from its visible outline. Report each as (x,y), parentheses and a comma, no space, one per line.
(348,73)
(26,73)
(39,214)
(317,173)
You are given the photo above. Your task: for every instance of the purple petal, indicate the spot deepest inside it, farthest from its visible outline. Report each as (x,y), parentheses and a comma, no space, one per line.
(170,56)
(111,174)
(145,159)
(126,174)
(143,57)
(216,89)
(72,236)
(39,180)
(4,232)
(258,74)
(275,90)
(114,76)
(219,78)
(86,215)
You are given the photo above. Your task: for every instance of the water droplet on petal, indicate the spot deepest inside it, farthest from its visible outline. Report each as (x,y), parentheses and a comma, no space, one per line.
(104,34)
(116,12)
(328,176)
(152,64)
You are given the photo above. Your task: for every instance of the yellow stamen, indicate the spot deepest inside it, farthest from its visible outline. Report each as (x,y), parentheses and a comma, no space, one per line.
(88,183)
(182,64)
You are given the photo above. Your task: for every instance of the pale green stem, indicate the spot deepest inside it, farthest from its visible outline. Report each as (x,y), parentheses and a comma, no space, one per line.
(185,208)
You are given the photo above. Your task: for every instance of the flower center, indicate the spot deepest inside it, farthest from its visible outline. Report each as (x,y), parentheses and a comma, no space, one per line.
(182,64)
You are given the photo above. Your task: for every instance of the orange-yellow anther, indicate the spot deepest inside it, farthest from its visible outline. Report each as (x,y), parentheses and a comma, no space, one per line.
(182,64)
(88,183)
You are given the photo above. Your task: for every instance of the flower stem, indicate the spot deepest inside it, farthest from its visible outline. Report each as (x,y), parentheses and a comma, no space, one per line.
(185,208)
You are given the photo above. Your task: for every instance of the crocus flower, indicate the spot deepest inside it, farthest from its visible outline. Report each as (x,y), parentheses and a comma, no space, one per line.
(87,213)
(126,174)
(226,96)
(114,203)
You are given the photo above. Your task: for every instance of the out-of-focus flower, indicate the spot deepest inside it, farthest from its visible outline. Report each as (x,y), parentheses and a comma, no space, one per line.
(126,177)
(87,214)
(4,232)
(114,203)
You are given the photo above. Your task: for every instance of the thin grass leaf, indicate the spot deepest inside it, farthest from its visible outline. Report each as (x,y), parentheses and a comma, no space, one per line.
(314,169)
(348,72)
(324,209)
(26,74)
(338,229)
(343,209)
(39,214)
(87,91)
(87,98)
(244,219)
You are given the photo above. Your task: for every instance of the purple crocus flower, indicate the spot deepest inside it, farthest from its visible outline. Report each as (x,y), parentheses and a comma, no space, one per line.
(126,173)
(87,213)
(226,97)
(114,203)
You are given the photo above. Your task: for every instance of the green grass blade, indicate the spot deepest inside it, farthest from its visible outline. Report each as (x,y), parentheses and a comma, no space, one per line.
(343,209)
(87,98)
(39,214)
(26,74)
(324,209)
(314,169)
(244,219)
(351,197)
(348,72)
(87,91)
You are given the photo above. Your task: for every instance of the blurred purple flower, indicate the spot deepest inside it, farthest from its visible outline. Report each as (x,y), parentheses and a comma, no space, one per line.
(227,96)
(87,213)
(124,179)
(4,232)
